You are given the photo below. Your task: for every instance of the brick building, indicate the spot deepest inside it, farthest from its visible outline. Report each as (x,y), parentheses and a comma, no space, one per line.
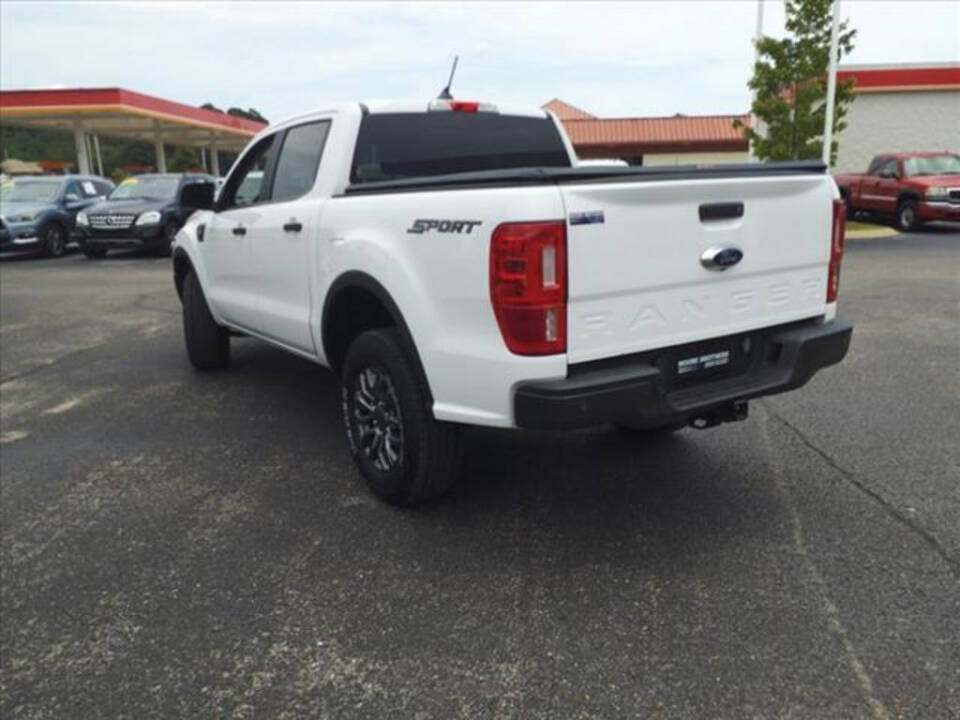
(897,108)
(676,140)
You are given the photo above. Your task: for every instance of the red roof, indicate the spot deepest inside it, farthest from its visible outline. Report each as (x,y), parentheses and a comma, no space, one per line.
(677,133)
(664,134)
(885,78)
(676,129)
(118,100)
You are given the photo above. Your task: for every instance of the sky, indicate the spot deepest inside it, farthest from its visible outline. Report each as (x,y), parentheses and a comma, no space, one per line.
(645,58)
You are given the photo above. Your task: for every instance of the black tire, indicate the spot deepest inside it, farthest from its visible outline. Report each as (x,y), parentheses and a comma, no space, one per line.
(908,216)
(167,235)
(95,252)
(417,457)
(208,344)
(54,239)
(851,213)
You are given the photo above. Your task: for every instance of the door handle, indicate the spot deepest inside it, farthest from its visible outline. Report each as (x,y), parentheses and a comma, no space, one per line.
(720,211)
(293,226)
(239,230)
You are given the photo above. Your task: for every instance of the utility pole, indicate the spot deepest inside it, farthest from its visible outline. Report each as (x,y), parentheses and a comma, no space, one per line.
(831,85)
(754,121)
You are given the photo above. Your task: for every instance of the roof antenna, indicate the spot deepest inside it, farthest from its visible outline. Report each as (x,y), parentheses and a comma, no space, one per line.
(445,93)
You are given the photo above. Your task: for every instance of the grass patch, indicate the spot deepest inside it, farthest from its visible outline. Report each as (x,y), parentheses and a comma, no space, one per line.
(857,225)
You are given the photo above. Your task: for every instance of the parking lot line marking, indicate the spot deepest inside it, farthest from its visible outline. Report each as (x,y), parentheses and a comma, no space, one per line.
(73,402)
(63,407)
(12,436)
(859,670)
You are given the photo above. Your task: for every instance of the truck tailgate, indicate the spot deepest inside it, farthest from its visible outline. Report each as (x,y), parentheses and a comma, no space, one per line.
(636,280)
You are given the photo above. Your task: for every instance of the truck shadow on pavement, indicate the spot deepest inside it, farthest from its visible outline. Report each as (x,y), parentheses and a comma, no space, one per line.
(604,494)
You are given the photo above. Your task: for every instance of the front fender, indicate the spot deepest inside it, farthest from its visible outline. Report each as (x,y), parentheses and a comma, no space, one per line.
(186,252)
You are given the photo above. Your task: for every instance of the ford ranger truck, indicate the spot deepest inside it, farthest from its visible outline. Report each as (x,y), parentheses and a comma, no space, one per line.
(453,266)
(912,188)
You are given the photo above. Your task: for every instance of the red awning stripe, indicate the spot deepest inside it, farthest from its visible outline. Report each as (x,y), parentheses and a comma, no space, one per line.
(918,78)
(83,99)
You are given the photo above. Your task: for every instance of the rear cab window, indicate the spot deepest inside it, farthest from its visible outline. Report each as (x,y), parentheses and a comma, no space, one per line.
(396,146)
(299,160)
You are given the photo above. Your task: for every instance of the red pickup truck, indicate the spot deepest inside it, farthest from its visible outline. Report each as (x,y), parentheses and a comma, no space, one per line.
(913,188)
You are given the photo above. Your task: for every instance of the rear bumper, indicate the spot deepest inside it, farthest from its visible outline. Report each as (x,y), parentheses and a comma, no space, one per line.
(642,389)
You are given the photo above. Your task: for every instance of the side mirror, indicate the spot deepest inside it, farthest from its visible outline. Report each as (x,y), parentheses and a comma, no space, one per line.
(71,198)
(198,196)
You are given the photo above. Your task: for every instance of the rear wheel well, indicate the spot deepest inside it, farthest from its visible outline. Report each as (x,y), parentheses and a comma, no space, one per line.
(355,303)
(351,312)
(181,266)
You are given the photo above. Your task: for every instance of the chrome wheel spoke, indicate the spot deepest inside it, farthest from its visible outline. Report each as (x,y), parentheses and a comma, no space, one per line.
(376,413)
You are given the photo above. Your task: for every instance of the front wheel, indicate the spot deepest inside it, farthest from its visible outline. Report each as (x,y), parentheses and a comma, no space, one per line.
(405,455)
(208,344)
(908,217)
(848,206)
(167,236)
(54,239)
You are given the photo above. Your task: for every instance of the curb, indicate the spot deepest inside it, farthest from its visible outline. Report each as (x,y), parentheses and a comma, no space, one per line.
(872,233)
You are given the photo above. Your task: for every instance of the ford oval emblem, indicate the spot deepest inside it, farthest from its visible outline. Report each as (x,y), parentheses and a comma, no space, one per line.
(720,258)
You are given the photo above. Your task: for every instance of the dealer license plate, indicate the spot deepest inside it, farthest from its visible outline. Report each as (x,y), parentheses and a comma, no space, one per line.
(703,362)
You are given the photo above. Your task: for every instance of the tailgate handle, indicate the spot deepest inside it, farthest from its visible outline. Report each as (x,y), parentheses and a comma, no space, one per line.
(721,211)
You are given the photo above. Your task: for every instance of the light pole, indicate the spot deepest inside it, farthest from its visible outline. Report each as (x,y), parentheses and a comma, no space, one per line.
(754,122)
(831,85)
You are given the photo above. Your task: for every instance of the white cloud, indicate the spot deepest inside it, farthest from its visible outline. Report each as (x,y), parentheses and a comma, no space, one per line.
(654,58)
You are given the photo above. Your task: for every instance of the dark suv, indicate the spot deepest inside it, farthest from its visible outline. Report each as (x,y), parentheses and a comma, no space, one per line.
(38,212)
(145,211)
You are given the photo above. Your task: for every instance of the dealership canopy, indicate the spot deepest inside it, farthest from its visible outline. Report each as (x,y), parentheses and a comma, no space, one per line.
(90,113)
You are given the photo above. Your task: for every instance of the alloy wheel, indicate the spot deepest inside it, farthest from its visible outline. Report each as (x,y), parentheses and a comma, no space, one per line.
(379,424)
(907,217)
(54,242)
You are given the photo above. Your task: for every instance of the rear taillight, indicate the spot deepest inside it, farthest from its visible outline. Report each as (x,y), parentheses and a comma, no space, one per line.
(528,286)
(837,237)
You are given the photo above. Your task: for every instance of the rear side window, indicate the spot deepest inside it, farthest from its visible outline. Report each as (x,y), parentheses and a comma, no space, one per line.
(299,160)
(393,146)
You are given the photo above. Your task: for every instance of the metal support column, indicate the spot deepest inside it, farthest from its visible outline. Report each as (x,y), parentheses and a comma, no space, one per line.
(158,147)
(96,150)
(83,158)
(214,158)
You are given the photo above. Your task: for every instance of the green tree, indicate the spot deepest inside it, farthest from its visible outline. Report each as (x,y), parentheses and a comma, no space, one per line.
(790,85)
(183,159)
(250,114)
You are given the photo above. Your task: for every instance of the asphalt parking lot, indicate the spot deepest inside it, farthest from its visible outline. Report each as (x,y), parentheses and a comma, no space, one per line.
(177,544)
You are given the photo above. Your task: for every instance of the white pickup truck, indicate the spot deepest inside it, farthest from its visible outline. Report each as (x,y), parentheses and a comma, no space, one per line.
(453,265)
